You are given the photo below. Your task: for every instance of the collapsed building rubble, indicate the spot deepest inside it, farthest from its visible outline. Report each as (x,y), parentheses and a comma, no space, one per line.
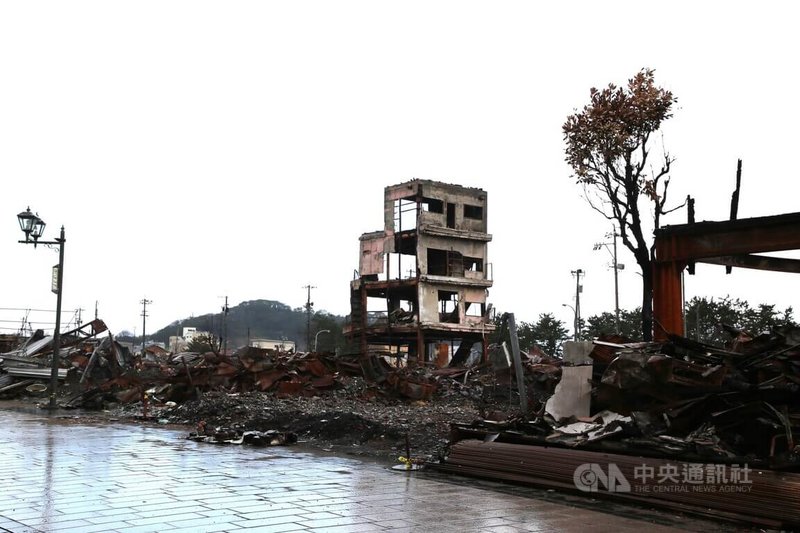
(677,402)
(25,361)
(319,397)
(99,370)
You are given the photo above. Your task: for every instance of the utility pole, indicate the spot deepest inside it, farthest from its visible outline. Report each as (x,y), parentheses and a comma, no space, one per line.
(616,280)
(95,309)
(177,337)
(144,303)
(225,327)
(617,267)
(79,318)
(309,305)
(578,289)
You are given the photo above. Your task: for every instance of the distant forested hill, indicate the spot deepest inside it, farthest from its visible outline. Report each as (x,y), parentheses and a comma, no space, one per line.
(264,319)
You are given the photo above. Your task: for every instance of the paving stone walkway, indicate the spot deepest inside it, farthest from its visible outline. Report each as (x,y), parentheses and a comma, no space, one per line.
(64,475)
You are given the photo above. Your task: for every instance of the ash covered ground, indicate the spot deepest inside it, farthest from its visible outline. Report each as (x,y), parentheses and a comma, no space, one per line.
(357,419)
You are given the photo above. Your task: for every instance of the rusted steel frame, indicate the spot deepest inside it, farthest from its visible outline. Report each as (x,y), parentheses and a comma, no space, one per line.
(757,262)
(715,242)
(667,299)
(714,239)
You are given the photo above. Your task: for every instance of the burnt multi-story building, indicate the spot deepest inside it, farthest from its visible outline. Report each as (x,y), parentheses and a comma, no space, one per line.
(422,283)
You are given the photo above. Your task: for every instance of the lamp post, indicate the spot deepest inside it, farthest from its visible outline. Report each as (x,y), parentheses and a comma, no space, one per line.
(574,321)
(617,267)
(316,337)
(33,228)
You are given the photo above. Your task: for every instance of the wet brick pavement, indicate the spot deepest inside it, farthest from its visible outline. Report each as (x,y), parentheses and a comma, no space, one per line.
(64,475)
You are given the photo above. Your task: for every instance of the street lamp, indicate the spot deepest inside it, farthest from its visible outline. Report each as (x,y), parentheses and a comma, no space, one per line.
(574,321)
(616,266)
(316,337)
(33,228)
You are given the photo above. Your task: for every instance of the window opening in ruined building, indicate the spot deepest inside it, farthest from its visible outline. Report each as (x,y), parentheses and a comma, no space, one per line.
(403,311)
(377,311)
(405,215)
(455,264)
(448,307)
(445,263)
(451,215)
(432,205)
(473,264)
(402,266)
(474,309)
(473,211)
(437,262)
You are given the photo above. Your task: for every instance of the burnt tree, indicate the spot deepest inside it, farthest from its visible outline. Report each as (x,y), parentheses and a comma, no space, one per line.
(608,148)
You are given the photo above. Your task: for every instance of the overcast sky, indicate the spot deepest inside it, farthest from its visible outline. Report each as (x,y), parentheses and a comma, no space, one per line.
(194,150)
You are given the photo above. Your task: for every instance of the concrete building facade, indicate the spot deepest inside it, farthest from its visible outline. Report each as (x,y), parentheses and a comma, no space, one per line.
(422,282)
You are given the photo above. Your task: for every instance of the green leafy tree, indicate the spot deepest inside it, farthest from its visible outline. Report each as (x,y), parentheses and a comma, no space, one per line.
(547,333)
(204,342)
(525,335)
(608,148)
(630,324)
(331,341)
(704,318)
(500,333)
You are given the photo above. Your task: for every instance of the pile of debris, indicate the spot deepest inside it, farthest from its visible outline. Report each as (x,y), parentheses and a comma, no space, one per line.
(719,410)
(682,398)
(101,371)
(26,363)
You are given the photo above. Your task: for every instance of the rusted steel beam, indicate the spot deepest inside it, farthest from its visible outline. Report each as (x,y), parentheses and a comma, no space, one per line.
(734,237)
(667,299)
(758,262)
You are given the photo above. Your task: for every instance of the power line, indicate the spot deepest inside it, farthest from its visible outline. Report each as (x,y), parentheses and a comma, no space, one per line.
(38,322)
(29,309)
